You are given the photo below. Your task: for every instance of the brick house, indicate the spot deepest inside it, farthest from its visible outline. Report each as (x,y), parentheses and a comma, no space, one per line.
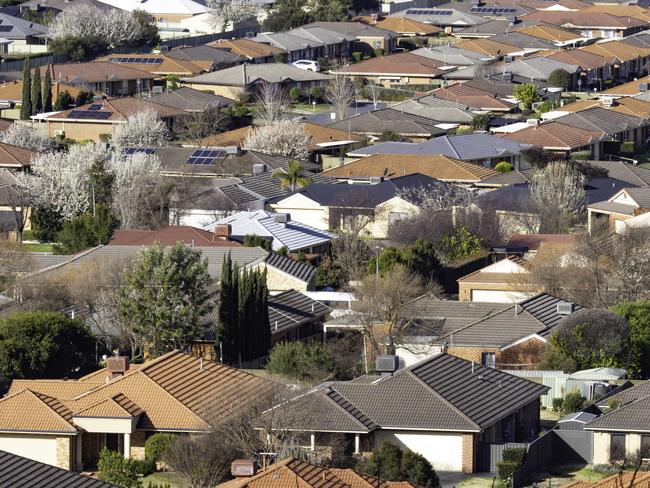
(445,408)
(65,423)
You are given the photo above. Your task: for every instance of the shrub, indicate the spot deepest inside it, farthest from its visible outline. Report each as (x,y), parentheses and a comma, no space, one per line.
(310,362)
(581,155)
(391,464)
(144,467)
(573,401)
(481,122)
(558,404)
(460,244)
(156,445)
(252,240)
(504,167)
(46,223)
(316,93)
(505,469)
(379,52)
(116,469)
(560,78)
(280,58)
(357,56)
(513,454)
(418,471)
(464,129)
(294,94)
(627,147)
(86,230)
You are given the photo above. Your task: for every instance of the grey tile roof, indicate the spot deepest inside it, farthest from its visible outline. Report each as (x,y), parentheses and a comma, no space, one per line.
(17,471)
(268,186)
(302,271)
(20,28)
(629,395)
(389,119)
(451,55)
(523,41)
(199,53)
(631,417)
(324,35)
(491,27)
(537,68)
(485,395)
(286,41)
(601,119)
(464,147)
(640,195)
(353,29)
(291,309)
(514,177)
(186,98)
(269,72)
(447,110)
(457,17)
(544,308)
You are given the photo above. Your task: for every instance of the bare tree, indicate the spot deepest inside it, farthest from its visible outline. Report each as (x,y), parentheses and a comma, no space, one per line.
(196,126)
(281,138)
(373,91)
(351,255)
(14,261)
(201,461)
(19,197)
(339,91)
(23,136)
(558,190)
(227,13)
(271,102)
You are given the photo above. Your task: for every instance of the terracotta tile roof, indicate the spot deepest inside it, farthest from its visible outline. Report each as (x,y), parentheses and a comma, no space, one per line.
(554,135)
(625,105)
(628,479)
(402,25)
(541,4)
(549,33)
(99,376)
(247,48)
(62,389)
(170,235)
(472,97)
(28,411)
(534,241)
(396,64)
(15,156)
(436,166)
(630,88)
(583,19)
(360,480)
(487,47)
(584,59)
(634,11)
(118,406)
(13,91)
(95,72)
(166,65)
(615,50)
(120,109)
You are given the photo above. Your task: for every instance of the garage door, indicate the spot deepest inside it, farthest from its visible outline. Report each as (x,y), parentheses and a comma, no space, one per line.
(38,448)
(443,451)
(496,296)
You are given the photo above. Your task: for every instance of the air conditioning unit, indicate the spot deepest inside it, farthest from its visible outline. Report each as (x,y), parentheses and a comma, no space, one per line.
(234,151)
(643,87)
(387,364)
(376,179)
(532,122)
(508,59)
(259,168)
(282,218)
(608,101)
(565,308)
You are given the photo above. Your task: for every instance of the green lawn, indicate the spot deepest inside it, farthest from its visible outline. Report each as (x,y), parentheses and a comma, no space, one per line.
(307,107)
(476,482)
(39,247)
(162,479)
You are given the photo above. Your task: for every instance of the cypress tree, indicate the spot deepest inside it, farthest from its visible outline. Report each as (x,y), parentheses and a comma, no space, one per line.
(227,315)
(26,109)
(47,90)
(37,101)
(264,327)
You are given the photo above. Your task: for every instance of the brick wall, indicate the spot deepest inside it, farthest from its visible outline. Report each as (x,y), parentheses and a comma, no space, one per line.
(278,281)
(473,353)
(137,444)
(64,452)
(526,355)
(469,452)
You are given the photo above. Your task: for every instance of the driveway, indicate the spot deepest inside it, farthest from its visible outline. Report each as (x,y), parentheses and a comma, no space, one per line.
(451,479)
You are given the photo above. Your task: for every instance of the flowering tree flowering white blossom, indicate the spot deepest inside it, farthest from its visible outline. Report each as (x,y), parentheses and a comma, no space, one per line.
(114,26)
(282,138)
(141,129)
(136,177)
(225,13)
(24,136)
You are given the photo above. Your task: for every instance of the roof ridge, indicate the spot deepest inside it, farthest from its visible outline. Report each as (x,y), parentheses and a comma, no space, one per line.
(330,389)
(464,327)
(40,396)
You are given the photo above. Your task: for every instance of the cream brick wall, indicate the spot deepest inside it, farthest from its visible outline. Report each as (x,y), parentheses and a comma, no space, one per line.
(469,452)
(276,280)
(64,452)
(601,448)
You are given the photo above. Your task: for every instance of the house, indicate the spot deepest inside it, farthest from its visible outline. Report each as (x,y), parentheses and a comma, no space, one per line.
(173,234)
(454,410)
(376,123)
(589,24)
(632,88)
(453,56)
(559,37)
(506,281)
(256,52)
(389,166)
(622,206)
(487,47)
(279,229)
(482,100)
(24,36)
(65,423)
(231,82)
(446,18)
(623,432)
(98,120)
(403,26)
(294,471)
(15,158)
(189,99)
(625,105)
(284,273)
(367,208)
(219,58)
(503,336)
(308,43)
(484,149)
(112,79)
(368,38)
(22,471)
(594,68)
(294,316)
(483,31)
(535,69)
(397,69)
(160,64)
(627,60)
(450,111)
(11,93)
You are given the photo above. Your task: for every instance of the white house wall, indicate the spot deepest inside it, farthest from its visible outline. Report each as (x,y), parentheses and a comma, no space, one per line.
(37,447)
(304,210)
(443,451)
(498,296)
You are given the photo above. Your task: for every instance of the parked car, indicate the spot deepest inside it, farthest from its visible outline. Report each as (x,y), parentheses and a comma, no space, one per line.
(306,64)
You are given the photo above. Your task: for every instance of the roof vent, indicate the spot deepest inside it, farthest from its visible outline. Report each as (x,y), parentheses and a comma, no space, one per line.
(532,122)
(643,87)
(282,218)
(222,231)
(376,179)
(565,308)
(259,168)
(608,101)
(242,468)
(233,150)
(387,365)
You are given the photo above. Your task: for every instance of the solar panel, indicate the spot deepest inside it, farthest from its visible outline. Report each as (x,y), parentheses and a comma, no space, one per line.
(95,106)
(129,151)
(428,11)
(5,28)
(88,114)
(204,156)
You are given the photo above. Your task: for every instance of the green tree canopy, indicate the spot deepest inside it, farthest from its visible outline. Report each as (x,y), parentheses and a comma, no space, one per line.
(166,297)
(420,258)
(44,345)
(560,78)
(26,107)
(637,315)
(309,362)
(46,223)
(37,100)
(86,230)
(526,94)
(391,464)
(47,90)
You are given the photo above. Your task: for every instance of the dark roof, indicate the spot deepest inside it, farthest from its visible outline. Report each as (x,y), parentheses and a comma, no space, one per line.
(630,395)
(302,271)
(633,416)
(220,57)
(389,119)
(544,308)
(325,118)
(291,309)
(17,471)
(483,394)
(601,119)
(187,98)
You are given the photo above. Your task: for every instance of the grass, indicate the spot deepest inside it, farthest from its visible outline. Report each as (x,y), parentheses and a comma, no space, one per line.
(307,107)
(39,247)
(162,479)
(476,482)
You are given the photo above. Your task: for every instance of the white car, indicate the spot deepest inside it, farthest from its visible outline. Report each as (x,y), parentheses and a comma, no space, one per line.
(306,64)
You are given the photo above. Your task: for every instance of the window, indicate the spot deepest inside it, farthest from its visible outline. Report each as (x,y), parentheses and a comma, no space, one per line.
(488,359)
(397,216)
(617,447)
(645,446)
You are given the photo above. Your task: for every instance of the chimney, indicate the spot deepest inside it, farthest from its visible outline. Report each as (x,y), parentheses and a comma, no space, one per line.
(222,231)
(116,366)
(242,468)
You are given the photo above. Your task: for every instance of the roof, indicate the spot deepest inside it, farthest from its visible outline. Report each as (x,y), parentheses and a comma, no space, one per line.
(556,135)
(19,471)
(487,47)
(451,55)
(533,241)
(436,166)
(12,91)
(160,64)
(402,25)
(580,57)
(247,48)
(169,236)
(113,110)
(32,411)
(14,156)
(441,16)
(358,29)
(179,7)
(539,68)
(255,73)
(436,108)
(600,119)
(464,147)
(291,234)
(631,88)
(402,64)
(389,119)
(291,309)
(185,98)
(488,29)
(95,72)
(615,50)
(17,28)
(302,271)
(625,105)
(220,57)
(550,33)
(576,19)
(475,97)
(631,417)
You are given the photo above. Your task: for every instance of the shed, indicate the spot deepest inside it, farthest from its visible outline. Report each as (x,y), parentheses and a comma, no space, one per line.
(575,421)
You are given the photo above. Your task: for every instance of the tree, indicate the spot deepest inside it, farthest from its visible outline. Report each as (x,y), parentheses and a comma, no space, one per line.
(166,296)
(350,256)
(391,464)
(84,97)
(637,315)
(101,183)
(339,91)
(282,138)
(418,471)
(19,197)
(481,122)
(44,345)
(420,258)
(157,445)
(460,244)
(526,94)
(593,338)
(37,101)
(292,177)
(142,129)
(286,15)
(560,78)
(504,167)
(26,107)
(196,126)
(331,10)
(373,91)
(271,102)
(47,90)
(559,195)
(46,223)
(14,262)
(252,240)
(309,362)
(227,13)
(24,136)
(200,461)
(86,230)
(63,101)
(114,468)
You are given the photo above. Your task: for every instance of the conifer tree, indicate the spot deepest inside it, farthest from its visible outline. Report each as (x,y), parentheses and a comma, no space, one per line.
(37,101)
(26,109)
(47,90)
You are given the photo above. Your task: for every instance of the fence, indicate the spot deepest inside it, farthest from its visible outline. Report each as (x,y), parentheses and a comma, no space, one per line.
(168,44)
(34,61)
(489,454)
(539,454)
